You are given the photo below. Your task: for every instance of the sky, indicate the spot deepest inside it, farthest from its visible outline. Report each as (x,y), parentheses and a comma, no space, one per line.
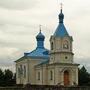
(19,25)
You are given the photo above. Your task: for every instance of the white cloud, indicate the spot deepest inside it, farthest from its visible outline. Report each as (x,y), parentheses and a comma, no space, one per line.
(18,4)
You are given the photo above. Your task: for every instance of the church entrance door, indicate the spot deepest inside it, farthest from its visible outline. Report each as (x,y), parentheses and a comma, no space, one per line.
(66,78)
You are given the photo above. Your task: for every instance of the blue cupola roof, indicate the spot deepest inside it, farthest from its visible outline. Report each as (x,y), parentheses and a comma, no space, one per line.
(61,30)
(40,51)
(40,40)
(40,37)
(61,17)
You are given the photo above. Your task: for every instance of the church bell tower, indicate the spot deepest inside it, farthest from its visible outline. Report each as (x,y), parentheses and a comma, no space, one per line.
(61,44)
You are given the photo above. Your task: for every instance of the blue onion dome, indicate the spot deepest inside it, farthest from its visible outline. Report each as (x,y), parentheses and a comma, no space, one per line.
(61,17)
(40,36)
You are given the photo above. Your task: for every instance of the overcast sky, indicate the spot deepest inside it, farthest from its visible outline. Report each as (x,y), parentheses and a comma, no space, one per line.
(20,20)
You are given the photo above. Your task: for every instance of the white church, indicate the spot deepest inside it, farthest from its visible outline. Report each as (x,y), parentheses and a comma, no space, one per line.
(49,67)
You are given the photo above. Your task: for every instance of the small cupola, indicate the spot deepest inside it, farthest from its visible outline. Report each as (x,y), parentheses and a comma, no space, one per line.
(40,36)
(61,17)
(40,52)
(40,39)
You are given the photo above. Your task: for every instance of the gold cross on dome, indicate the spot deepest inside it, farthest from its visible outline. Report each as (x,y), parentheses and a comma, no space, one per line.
(40,27)
(61,5)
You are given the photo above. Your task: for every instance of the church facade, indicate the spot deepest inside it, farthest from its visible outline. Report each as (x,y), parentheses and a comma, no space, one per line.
(49,67)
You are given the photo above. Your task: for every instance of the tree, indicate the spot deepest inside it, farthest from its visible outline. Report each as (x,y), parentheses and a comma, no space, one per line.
(13,81)
(84,77)
(7,78)
(1,77)
(8,74)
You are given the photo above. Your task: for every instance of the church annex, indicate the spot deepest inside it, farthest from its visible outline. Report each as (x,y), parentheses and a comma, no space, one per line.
(49,67)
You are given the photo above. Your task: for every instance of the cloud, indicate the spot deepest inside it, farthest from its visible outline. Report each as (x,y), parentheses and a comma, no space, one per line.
(7,57)
(85,61)
(18,4)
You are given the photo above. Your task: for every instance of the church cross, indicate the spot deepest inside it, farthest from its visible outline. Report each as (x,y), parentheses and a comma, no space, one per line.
(40,27)
(61,5)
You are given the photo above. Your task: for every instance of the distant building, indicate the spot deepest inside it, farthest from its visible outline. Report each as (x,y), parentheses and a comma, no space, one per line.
(54,67)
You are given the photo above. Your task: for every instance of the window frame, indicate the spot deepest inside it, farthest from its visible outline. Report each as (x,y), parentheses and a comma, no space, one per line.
(51,75)
(38,75)
(51,45)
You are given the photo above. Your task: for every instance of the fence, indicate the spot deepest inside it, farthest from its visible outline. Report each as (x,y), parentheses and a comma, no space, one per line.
(45,87)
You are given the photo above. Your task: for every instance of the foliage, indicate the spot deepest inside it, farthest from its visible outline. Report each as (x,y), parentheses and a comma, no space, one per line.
(1,76)
(84,77)
(7,78)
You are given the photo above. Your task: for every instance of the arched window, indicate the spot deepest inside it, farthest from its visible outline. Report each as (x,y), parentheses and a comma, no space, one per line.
(65,44)
(24,71)
(51,75)
(18,72)
(52,46)
(38,75)
(21,70)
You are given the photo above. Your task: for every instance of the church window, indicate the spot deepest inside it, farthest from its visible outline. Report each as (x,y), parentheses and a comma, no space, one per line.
(18,72)
(38,75)
(66,57)
(65,45)
(52,46)
(51,75)
(24,71)
(21,70)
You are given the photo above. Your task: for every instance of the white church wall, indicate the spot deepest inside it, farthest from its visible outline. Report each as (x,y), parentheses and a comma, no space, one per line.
(32,63)
(43,75)
(75,76)
(57,75)
(51,75)
(39,76)
(21,72)
(30,71)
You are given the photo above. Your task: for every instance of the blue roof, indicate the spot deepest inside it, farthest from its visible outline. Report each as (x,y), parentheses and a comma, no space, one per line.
(61,31)
(38,53)
(40,37)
